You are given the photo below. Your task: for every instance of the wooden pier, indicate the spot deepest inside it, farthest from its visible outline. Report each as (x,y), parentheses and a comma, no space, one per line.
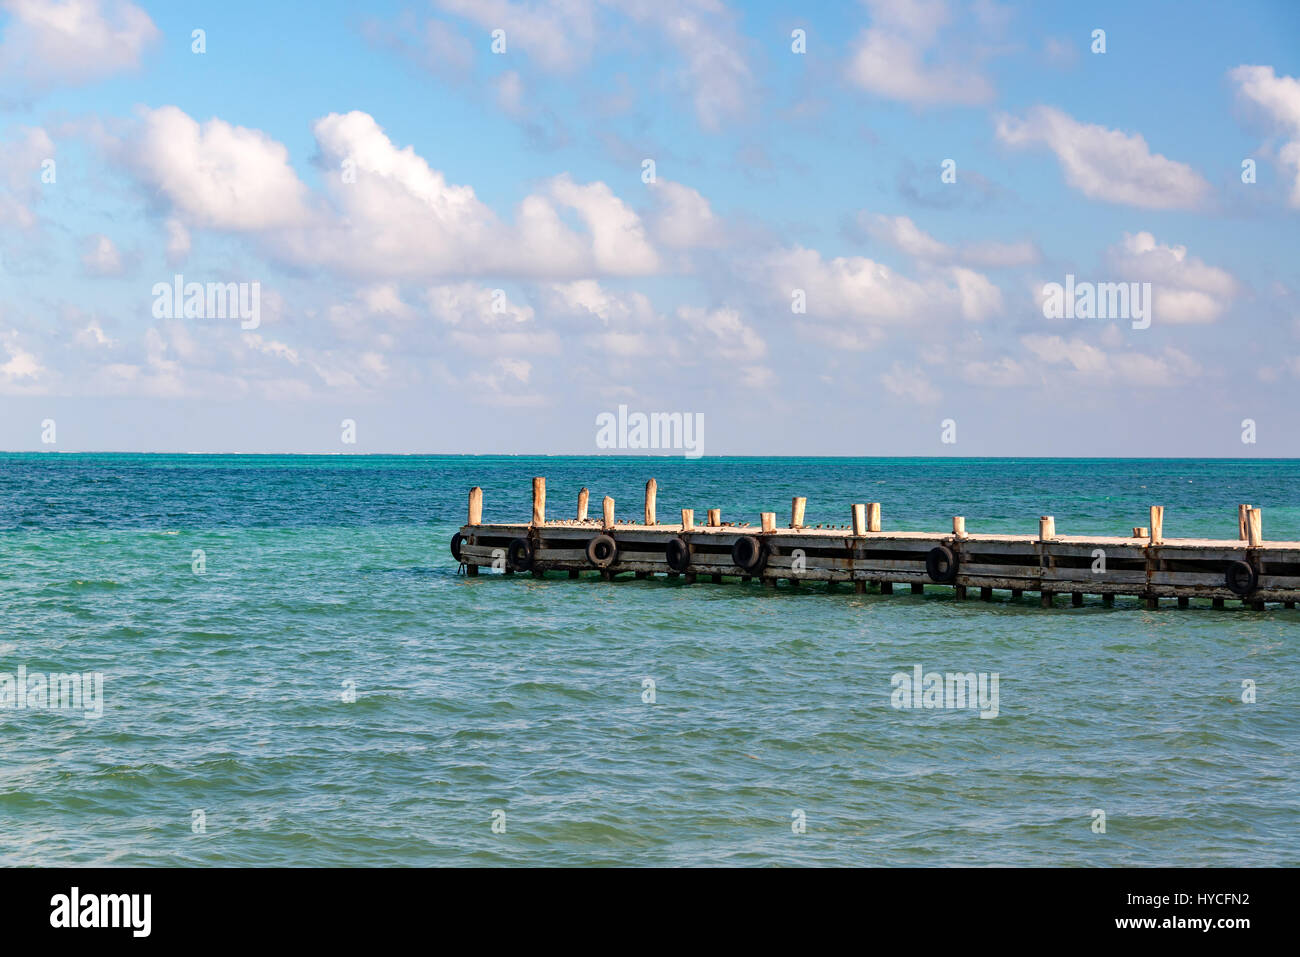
(1144,564)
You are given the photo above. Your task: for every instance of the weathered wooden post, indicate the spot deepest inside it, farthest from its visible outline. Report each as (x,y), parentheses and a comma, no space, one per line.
(539,501)
(1139,531)
(651,491)
(475,506)
(1157,524)
(959,526)
(859,520)
(1242,512)
(1255,527)
(607,509)
(1046,528)
(767,521)
(873,516)
(583,495)
(797,505)
(715,518)
(688,520)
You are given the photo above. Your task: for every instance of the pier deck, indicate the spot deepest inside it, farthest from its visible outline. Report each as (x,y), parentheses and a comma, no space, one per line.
(1145,564)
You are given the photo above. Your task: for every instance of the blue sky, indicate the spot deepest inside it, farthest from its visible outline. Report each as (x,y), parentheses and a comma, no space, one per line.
(457,249)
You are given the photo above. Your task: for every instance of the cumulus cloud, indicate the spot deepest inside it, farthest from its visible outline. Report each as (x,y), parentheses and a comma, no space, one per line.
(57,42)
(904,235)
(897,57)
(1089,363)
(849,299)
(1184,288)
(1279,99)
(722,333)
(216,175)
(1105,164)
(683,218)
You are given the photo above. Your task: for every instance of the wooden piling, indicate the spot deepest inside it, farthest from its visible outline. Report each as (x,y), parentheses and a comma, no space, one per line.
(859,520)
(1255,527)
(1157,524)
(475,506)
(607,512)
(797,505)
(1139,531)
(715,518)
(959,526)
(873,516)
(767,521)
(688,520)
(1242,512)
(539,501)
(918,588)
(1045,598)
(651,492)
(986,594)
(1076,599)
(583,495)
(1046,528)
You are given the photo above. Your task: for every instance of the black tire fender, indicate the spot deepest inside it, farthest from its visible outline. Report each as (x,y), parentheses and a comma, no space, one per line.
(602,551)
(678,553)
(457,540)
(519,556)
(1241,578)
(749,553)
(941,564)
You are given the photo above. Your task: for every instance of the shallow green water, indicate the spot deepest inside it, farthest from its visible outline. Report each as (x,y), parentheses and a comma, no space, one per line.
(223,691)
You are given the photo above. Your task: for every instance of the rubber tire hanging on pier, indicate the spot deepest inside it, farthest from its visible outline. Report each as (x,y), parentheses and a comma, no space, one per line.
(602,551)
(749,553)
(941,564)
(519,556)
(456,541)
(678,554)
(1241,578)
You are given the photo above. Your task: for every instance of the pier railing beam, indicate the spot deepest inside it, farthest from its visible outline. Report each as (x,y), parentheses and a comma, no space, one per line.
(651,492)
(539,501)
(607,512)
(797,505)
(583,495)
(475,506)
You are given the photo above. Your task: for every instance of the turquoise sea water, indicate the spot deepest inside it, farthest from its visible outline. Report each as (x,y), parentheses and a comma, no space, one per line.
(223,692)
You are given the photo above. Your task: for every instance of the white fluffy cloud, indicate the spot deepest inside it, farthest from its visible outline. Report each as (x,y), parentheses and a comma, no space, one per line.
(386,213)
(683,218)
(903,234)
(1105,164)
(1279,98)
(897,57)
(856,294)
(54,42)
(1184,289)
(1089,363)
(216,175)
